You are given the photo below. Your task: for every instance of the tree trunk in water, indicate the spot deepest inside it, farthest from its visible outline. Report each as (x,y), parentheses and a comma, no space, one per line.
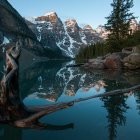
(12,109)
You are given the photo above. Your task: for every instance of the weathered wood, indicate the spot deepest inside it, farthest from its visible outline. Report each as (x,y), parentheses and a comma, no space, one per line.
(12,109)
(32,119)
(110,93)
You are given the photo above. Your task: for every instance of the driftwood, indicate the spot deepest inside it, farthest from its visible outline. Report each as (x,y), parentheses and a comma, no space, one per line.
(110,93)
(12,109)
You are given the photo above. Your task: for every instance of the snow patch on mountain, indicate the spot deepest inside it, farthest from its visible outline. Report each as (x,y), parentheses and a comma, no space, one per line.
(65,51)
(49,13)
(83,37)
(69,51)
(39,30)
(49,25)
(33,20)
(70,40)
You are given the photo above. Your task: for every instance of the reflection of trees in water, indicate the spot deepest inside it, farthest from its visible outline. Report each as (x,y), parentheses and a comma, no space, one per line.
(116,108)
(132,77)
(29,77)
(137,97)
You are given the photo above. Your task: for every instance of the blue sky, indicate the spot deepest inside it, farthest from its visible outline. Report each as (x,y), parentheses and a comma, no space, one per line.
(92,12)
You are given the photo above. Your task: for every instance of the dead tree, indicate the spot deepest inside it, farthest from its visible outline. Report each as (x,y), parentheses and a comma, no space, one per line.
(12,109)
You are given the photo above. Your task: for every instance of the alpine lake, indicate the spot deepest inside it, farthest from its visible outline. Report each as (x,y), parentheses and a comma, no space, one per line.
(107,118)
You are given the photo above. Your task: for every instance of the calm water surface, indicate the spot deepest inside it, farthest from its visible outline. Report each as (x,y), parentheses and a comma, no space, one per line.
(109,118)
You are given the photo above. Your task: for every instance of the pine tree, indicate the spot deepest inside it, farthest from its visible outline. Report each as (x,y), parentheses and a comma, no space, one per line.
(118,22)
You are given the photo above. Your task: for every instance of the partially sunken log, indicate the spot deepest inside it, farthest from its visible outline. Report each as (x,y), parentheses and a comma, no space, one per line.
(12,109)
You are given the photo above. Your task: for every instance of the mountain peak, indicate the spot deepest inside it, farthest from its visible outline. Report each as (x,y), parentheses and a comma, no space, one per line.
(71,22)
(88,27)
(50,14)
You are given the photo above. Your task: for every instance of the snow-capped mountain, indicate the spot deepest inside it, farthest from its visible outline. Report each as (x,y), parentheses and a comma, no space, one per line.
(134,26)
(103,33)
(66,36)
(13,29)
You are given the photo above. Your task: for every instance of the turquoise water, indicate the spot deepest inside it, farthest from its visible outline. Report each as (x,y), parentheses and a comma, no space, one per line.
(109,118)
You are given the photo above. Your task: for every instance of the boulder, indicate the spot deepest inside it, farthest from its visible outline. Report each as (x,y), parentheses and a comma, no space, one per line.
(97,65)
(136,49)
(100,58)
(91,60)
(132,61)
(131,66)
(129,58)
(113,61)
(127,50)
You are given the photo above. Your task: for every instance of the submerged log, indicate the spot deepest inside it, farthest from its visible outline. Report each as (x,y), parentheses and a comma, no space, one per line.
(12,109)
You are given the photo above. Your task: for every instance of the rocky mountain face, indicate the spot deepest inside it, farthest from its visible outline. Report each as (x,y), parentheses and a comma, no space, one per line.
(103,33)
(66,36)
(134,26)
(45,36)
(13,29)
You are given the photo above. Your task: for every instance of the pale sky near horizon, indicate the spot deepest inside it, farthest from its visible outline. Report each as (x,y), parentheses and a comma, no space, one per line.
(92,12)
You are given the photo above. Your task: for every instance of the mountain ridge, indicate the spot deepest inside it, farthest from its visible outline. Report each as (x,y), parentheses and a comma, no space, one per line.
(67,36)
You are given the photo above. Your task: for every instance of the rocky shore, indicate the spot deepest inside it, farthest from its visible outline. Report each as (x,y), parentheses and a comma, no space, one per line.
(129,59)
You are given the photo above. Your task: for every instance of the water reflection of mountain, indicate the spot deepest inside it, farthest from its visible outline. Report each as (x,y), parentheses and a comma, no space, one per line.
(29,77)
(56,79)
(50,79)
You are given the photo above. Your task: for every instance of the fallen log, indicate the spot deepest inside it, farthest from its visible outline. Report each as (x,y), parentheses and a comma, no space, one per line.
(75,65)
(110,93)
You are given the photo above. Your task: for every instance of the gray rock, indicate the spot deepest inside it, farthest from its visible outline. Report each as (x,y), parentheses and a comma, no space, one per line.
(95,63)
(127,50)
(113,61)
(136,49)
(132,61)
